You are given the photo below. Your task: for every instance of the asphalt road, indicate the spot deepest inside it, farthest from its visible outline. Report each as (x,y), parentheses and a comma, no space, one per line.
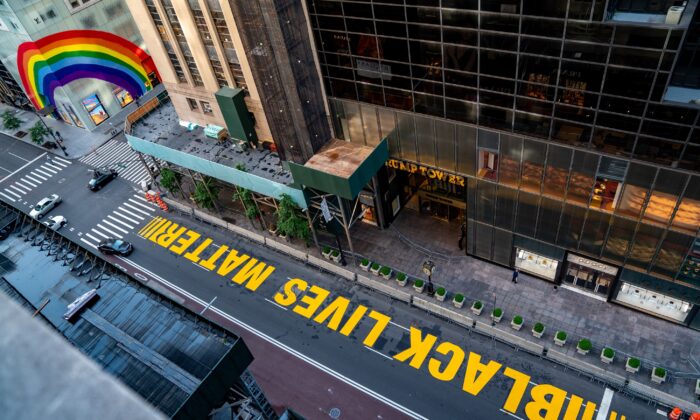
(299,363)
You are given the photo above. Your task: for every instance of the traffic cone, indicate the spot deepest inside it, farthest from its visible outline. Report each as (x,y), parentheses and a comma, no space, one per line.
(675,414)
(694,416)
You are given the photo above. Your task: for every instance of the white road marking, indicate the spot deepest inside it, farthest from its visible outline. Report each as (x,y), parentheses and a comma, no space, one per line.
(43,173)
(100,233)
(661,412)
(49,169)
(276,304)
(17,189)
(115,226)
(38,176)
(17,156)
(54,167)
(110,231)
(286,348)
(33,180)
(62,165)
(67,162)
(119,221)
(88,243)
(141,198)
(511,414)
(400,326)
(378,352)
(6,170)
(24,180)
(134,208)
(142,205)
(604,406)
(197,265)
(13,193)
(8,197)
(128,212)
(24,166)
(92,237)
(25,189)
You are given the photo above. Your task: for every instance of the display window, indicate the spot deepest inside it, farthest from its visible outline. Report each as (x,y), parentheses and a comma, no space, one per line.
(538,265)
(591,277)
(488,164)
(123,97)
(652,301)
(94,107)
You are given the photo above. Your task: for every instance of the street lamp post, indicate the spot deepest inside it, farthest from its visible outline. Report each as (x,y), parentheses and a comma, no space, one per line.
(43,112)
(428,269)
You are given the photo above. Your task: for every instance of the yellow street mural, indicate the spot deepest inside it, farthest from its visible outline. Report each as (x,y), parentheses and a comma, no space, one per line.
(442,359)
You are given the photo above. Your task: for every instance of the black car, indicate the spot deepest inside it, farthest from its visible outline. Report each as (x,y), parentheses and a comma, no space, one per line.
(8,225)
(115,246)
(100,179)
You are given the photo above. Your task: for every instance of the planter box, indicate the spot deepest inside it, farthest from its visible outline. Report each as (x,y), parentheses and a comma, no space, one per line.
(477,312)
(607,360)
(538,334)
(373,271)
(402,283)
(559,342)
(496,318)
(335,258)
(658,379)
(580,351)
(327,255)
(419,289)
(387,276)
(365,267)
(515,326)
(631,369)
(441,298)
(458,304)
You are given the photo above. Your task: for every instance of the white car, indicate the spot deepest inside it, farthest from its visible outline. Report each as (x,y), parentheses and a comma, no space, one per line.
(56,222)
(44,206)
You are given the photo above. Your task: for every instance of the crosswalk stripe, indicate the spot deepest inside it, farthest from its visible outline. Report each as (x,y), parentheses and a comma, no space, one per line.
(140,174)
(115,226)
(24,180)
(22,186)
(63,160)
(134,208)
(100,233)
(54,167)
(88,243)
(38,176)
(127,217)
(93,238)
(49,169)
(142,205)
(134,169)
(12,192)
(16,189)
(62,165)
(8,197)
(112,156)
(94,155)
(119,221)
(110,231)
(43,173)
(127,211)
(140,198)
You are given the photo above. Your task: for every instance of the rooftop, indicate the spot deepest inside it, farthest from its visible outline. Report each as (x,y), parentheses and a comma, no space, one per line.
(340,158)
(162,126)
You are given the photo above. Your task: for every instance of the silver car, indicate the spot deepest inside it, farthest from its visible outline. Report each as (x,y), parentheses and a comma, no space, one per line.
(56,222)
(44,206)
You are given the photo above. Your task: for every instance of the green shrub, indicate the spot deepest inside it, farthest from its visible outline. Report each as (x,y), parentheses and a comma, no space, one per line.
(538,328)
(364,261)
(477,304)
(585,344)
(335,253)
(660,372)
(517,320)
(401,277)
(497,312)
(326,250)
(384,271)
(375,266)
(9,120)
(459,297)
(561,335)
(633,362)
(419,283)
(608,352)
(441,291)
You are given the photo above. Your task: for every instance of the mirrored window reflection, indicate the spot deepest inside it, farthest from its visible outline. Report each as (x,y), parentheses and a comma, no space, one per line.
(582,178)
(557,172)
(636,188)
(570,227)
(687,216)
(533,165)
(445,144)
(548,219)
(667,189)
(594,231)
(526,219)
(511,150)
(645,242)
(672,253)
(371,125)
(619,239)
(407,137)
(505,207)
(466,149)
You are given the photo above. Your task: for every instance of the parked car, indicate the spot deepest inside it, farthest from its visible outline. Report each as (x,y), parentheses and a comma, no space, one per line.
(44,206)
(8,224)
(115,246)
(100,179)
(56,222)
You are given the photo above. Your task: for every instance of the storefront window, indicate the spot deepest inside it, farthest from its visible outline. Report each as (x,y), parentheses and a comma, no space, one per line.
(582,179)
(571,224)
(687,216)
(654,302)
(488,164)
(590,276)
(533,165)
(538,265)
(636,189)
(668,187)
(619,239)
(644,246)
(511,151)
(556,174)
(673,250)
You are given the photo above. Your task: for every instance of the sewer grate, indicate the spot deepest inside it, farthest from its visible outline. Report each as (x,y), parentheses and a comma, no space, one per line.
(334,413)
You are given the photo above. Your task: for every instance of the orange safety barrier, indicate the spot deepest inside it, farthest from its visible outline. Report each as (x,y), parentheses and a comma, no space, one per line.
(675,414)
(694,416)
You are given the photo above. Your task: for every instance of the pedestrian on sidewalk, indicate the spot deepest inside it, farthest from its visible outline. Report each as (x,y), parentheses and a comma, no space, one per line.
(515,276)
(462,235)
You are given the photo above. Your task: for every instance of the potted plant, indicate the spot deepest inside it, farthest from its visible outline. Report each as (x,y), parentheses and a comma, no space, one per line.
(374,268)
(477,307)
(364,264)
(326,252)
(584,346)
(440,294)
(335,255)
(458,300)
(607,355)
(538,330)
(658,375)
(516,323)
(401,279)
(419,285)
(632,365)
(560,338)
(385,272)
(496,315)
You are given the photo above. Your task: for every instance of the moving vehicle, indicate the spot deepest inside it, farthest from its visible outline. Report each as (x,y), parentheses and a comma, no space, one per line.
(44,206)
(101,178)
(56,222)
(115,246)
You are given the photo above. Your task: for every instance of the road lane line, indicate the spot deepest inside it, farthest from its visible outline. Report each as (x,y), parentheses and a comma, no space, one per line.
(13,193)
(284,347)
(378,352)
(48,169)
(119,221)
(110,231)
(142,205)
(100,233)
(276,304)
(121,229)
(67,162)
(88,242)
(33,179)
(22,187)
(92,237)
(135,209)
(604,406)
(197,265)
(7,170)
(128,212)
(24,166)
(400,326)
(17,156)
(8,197)
(37,175)
(208,305)
(511,414)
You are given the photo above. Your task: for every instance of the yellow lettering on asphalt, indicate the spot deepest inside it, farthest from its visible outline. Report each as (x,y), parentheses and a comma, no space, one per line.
(182,244)
(336,311)
(354,319)
(158,230)
(449,372)
(289,296)
(551,407)
(419,349)
(379,326)
(194,255)
(211,261)
(517,390)
(174,232)
(574,407)
(232,261)
(312,302)
(589,411)
(149,224)
(253,274)
(152,228)
(477,374)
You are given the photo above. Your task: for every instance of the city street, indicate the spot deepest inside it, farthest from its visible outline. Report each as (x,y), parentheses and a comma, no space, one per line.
(303,364)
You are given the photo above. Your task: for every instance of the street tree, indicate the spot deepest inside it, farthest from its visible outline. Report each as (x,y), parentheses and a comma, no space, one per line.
(246,198)
(9,120)
(38,132)
(170,180)
(205,193)
(290,222)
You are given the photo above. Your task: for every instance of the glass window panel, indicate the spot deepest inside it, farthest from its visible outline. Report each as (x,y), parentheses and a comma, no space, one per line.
(534,154)
(632,57)
(466,149)
(364,45)
(502,246)
(540,46)
(500,6)
(392,29)
(426,53)
(669,131)
(691,158)
(645,37)
(343,89)
(526,219)
(499,41)
(459,92)
(335,42)
(398,99)
(582,178)
(354,122)
(498,63)
(619,239)
(570,133)
(548,219)
(496,118)
(591,32)
(429,104)
(445,139)
(407,137)
(393,49)
(667,61)
(621,105)
(425,137)
(667,189)
(490,98)
(570,227)
(505,207)
(511,151)
(369,118)
(613,142)
(460,36)
(672,253)
(459,78)
(460,111)
(387,123)
(557,172)
(581,76)
(485,202)
(575,113)
(542,27)
(617,121)
(548,8)
(386,12)
(585,52)
(644,246)
(671,113)
(659,88)
(426,32)
(459,18)
(659,151)
(636,188)
(688,214)
(580,9)
(461,58)
(539,70)
(483,240)
(423,15)
(499,22)
(357,9)
(496,84)
(594,230)
(370,93)
(627,82)
(531,124)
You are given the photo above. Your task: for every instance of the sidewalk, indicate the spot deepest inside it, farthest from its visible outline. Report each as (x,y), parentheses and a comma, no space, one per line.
(78,141)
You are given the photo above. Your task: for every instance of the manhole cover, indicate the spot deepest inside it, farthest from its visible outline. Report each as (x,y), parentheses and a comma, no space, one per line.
(334,413)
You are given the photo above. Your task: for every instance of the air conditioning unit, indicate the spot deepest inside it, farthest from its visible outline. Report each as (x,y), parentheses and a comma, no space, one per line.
(674,14)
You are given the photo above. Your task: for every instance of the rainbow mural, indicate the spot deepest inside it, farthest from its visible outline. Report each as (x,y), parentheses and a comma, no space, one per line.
(63,57)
